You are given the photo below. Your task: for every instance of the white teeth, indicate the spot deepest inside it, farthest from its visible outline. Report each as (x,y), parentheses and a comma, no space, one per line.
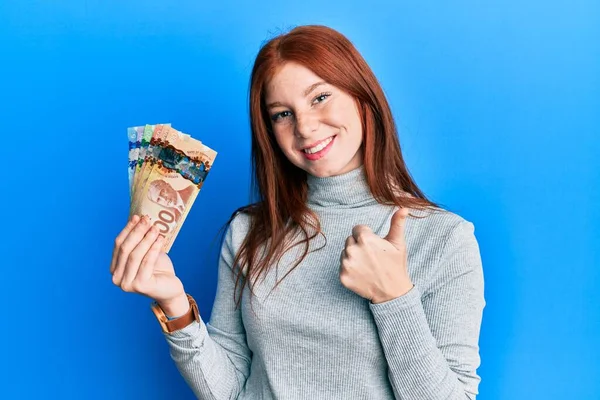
(318,147)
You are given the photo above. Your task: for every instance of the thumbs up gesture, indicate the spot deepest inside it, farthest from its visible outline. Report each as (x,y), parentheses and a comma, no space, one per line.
(377,268)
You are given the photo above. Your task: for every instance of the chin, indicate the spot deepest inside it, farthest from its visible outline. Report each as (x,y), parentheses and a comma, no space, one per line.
(319,174)
(325,171)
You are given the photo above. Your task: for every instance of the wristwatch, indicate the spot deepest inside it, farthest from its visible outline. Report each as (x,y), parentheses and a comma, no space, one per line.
(172,325)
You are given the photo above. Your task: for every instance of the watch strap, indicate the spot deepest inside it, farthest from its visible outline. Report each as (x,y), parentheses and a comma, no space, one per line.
(175,324)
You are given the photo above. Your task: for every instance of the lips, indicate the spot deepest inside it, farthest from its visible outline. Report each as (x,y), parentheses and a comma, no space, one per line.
(322,152)
(317,143)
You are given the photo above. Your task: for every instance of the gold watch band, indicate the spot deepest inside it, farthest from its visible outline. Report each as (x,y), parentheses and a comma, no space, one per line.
(170,326)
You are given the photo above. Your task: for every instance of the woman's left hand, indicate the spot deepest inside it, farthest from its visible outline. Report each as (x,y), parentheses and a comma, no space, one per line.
(377,268)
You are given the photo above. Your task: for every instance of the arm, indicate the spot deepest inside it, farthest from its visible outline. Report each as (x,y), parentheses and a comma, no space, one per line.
(214,358)
(431,342)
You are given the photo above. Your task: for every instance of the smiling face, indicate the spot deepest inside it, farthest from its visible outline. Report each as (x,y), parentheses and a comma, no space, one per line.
(317,125)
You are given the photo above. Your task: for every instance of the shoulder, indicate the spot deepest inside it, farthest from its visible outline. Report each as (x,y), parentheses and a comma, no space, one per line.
(441,244)
(238,228)
(438,225)
(435,223)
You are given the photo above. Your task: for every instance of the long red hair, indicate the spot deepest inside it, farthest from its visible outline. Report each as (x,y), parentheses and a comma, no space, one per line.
(281,188)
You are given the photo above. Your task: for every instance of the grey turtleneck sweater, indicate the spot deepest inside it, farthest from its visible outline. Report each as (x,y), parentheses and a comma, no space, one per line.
(312,338)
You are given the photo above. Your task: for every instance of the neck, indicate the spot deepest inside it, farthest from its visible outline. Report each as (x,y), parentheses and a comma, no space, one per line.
(348,190)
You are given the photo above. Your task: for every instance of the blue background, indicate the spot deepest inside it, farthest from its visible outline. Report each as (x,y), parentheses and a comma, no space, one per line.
(498,106)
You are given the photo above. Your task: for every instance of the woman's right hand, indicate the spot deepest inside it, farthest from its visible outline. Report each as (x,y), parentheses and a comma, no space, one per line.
(139,266)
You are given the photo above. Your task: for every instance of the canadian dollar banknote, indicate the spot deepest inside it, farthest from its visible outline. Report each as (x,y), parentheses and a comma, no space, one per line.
(167,169)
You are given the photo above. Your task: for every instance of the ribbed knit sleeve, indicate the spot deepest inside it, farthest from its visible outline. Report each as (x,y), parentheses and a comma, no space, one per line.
(430,339)
(214,358)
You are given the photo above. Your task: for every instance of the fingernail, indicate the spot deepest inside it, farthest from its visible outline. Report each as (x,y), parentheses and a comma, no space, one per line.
(135,218)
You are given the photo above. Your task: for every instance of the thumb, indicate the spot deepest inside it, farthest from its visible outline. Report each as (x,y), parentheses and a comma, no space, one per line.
(396,234)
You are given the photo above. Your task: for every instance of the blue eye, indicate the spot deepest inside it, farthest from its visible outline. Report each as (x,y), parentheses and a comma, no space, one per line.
(280,116)
(320,98)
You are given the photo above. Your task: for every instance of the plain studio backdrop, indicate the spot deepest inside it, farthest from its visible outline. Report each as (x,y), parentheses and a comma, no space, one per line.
(497,105)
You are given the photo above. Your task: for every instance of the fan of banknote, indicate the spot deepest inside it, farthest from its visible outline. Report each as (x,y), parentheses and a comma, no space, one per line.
(167,169)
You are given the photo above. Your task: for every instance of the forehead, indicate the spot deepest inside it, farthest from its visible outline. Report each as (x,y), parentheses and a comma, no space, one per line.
(290,80)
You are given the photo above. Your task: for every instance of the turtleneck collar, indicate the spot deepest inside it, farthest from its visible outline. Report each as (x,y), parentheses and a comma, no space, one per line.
(348,190)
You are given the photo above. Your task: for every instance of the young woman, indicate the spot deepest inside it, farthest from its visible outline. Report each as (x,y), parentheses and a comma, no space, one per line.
(342,281)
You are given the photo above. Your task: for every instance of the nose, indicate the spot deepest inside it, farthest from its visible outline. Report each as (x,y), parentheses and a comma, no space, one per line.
(306,124)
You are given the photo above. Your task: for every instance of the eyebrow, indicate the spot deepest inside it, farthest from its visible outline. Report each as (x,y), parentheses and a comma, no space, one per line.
(306,93)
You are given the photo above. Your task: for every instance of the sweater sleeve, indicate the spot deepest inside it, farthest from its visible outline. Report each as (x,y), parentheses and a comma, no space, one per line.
(214,358)
(430,340)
